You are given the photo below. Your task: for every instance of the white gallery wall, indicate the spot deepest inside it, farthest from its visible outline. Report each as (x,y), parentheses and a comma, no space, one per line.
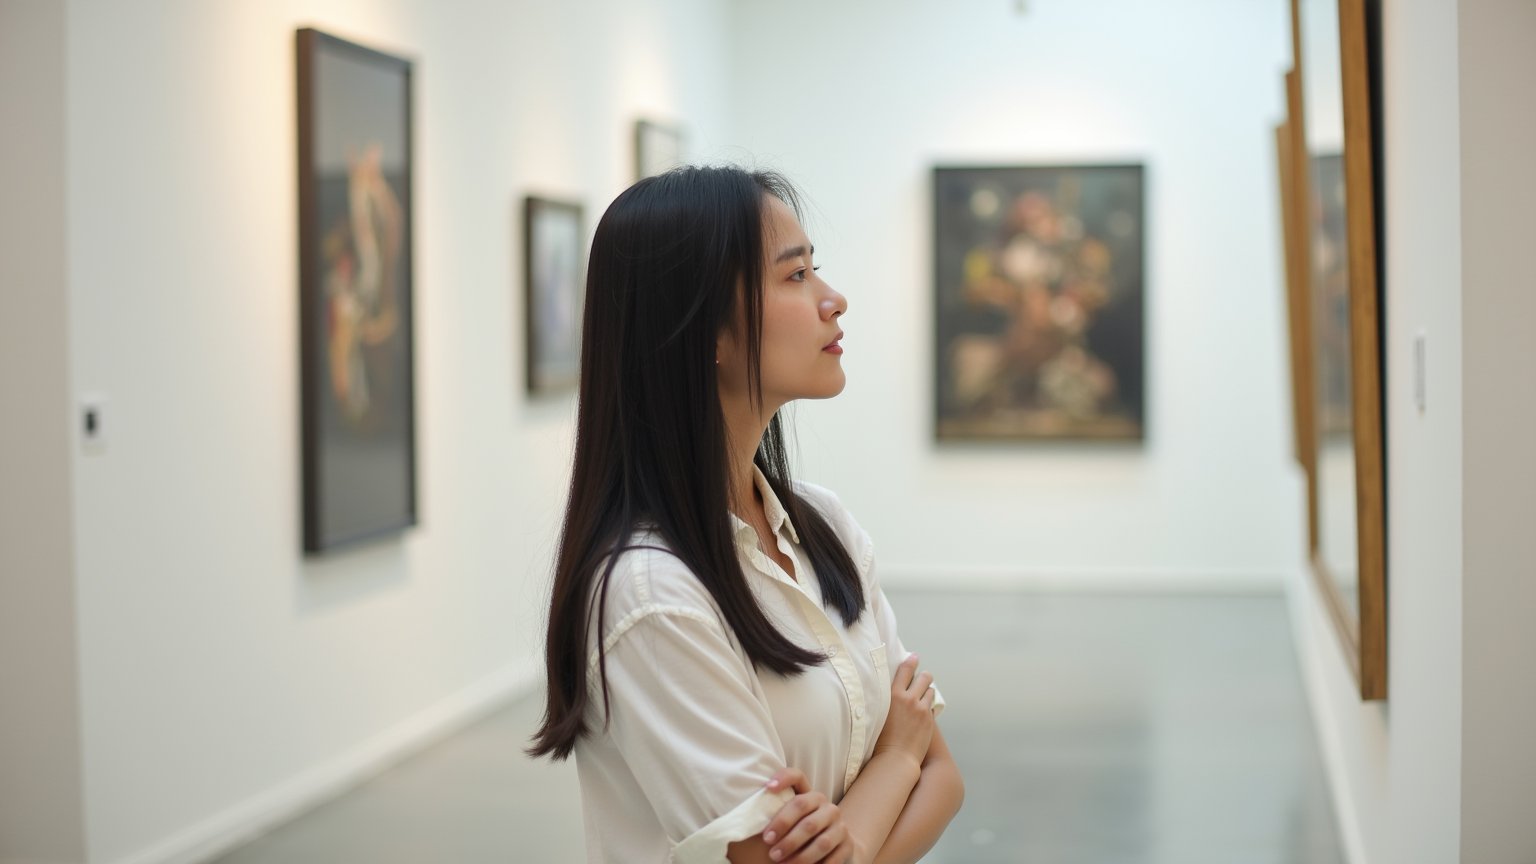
(1497,50)
(40,795)
(856,101)
(223,677)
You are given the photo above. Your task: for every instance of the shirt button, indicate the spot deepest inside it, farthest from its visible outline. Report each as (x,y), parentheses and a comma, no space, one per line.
(832,652)
(858,713)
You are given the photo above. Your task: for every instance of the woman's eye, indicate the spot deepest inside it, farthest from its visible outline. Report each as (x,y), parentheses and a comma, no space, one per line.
(799,275)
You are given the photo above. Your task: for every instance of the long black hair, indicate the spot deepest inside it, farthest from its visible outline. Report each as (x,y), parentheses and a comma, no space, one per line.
(671,258)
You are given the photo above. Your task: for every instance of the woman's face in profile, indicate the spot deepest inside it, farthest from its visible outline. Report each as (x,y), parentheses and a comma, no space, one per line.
(802,358)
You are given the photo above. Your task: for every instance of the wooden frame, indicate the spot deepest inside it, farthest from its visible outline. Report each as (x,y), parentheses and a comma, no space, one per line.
(1039,331)
(1361,627)
(553,293)
(358,417)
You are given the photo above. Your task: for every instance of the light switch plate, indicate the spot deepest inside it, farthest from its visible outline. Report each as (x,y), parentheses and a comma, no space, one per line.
(1420,372)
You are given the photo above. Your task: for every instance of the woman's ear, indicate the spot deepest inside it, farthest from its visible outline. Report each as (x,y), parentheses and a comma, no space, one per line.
(725,346)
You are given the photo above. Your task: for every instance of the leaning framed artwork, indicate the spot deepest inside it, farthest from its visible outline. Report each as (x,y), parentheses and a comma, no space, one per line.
(355,292)
(1336,167)
(554,291)
(1039,303)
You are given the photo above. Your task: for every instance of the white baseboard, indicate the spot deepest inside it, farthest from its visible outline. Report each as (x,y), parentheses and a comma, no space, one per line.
(1307,615)
(265,810)
(1105,580)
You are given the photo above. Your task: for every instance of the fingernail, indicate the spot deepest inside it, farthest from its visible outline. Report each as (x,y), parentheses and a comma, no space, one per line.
(774,783)
(770,837)
(775,854)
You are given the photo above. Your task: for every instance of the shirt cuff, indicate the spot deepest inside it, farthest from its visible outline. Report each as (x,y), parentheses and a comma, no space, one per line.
(708,844)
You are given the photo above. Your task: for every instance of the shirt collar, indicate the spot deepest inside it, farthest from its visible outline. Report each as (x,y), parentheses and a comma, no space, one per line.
(778,519)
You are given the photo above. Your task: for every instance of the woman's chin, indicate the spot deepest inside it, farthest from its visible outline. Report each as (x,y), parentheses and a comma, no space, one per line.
(824,386)
(832,387)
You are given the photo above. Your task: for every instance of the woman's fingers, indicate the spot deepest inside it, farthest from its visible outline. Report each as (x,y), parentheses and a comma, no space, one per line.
(794,809)
(904,674)
(921,683)
(813,839)
(791,815)
(790,778)
(926,700)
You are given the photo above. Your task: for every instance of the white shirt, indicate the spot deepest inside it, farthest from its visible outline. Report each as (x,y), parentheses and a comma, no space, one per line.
(695,731)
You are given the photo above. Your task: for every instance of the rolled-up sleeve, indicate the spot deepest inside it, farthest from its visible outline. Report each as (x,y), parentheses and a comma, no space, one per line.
(688,723)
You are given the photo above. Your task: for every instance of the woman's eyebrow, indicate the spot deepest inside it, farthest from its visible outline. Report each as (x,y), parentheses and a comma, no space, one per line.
(792,252)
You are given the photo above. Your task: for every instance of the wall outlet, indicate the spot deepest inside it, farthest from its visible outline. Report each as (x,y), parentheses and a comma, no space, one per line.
(93,423)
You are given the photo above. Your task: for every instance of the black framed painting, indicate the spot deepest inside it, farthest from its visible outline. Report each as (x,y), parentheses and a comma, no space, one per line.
(355,292)
(554,291)
(658,148)
(1039,303)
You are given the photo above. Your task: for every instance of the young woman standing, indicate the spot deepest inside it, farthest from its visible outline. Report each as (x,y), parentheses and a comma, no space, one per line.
(720,656)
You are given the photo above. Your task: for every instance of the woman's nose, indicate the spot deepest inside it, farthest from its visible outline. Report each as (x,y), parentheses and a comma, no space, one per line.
(833,305)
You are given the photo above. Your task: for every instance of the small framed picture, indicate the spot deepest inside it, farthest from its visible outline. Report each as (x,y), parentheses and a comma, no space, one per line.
(356,345)
(658,148)
(555,289)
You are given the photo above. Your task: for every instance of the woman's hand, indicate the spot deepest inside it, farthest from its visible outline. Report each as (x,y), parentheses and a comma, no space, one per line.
(909,726)
(808,829)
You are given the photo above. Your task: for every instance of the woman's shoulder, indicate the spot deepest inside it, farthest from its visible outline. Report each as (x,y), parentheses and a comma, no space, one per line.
(855,539)
(649,586)
(649,578)
(823,498)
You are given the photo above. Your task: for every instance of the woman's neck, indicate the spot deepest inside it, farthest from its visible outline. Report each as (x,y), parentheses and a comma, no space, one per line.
(744,428)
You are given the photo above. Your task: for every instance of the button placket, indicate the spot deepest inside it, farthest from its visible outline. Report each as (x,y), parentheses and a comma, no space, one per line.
(838,656)
(848,675)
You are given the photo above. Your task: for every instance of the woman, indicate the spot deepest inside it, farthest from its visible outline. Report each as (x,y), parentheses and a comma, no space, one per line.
(720,657)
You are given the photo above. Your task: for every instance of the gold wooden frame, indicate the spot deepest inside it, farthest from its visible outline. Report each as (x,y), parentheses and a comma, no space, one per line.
(1363,637)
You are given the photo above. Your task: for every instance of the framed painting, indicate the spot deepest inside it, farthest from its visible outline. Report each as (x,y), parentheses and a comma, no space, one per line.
(658,148)
(355,292)
(1039,303)
(1335,165)
(554,292)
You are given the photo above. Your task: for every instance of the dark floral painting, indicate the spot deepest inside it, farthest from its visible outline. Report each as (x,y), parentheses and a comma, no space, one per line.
(1040,300)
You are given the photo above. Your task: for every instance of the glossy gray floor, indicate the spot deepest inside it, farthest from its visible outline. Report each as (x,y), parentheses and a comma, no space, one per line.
(1101,729)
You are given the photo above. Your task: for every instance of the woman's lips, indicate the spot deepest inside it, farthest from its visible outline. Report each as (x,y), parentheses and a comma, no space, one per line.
(832,347)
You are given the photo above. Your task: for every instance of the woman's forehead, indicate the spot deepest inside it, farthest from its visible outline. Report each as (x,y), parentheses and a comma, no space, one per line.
(781,227)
